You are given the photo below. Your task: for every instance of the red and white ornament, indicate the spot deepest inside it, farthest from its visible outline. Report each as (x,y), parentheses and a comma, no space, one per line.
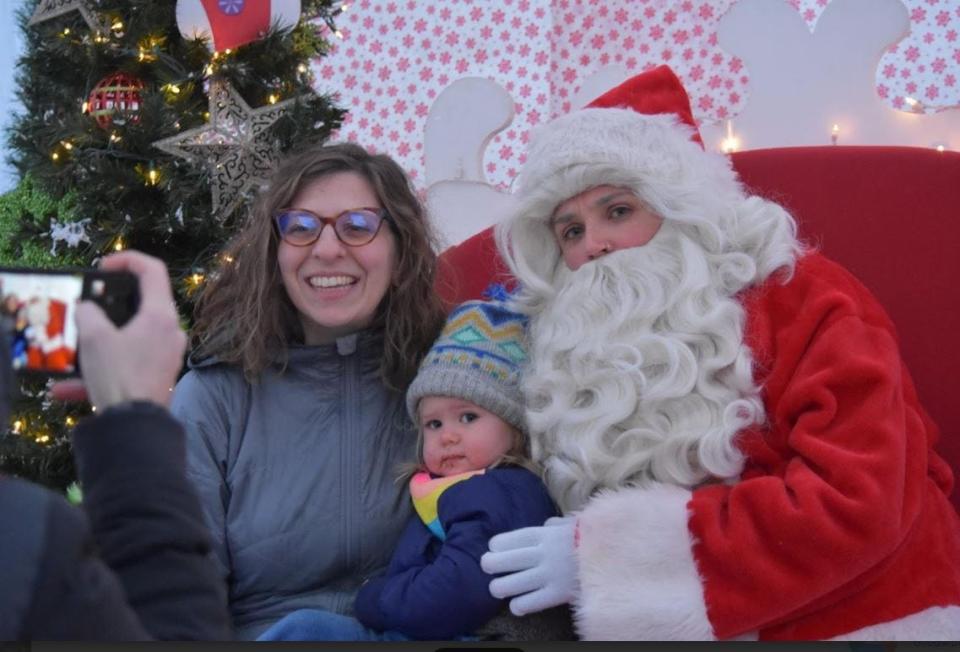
(115,99)
(231,23)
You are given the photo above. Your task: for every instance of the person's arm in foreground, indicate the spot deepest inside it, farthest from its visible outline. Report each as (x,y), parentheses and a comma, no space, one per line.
(142,568)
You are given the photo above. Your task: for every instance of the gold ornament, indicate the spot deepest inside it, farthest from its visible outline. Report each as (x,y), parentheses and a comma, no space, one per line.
(234,146)
(52,8)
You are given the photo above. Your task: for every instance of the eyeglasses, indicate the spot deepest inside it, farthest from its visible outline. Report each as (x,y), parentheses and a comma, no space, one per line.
(354,227)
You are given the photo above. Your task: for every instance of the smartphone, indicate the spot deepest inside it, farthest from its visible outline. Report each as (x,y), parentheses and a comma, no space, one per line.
(37,309)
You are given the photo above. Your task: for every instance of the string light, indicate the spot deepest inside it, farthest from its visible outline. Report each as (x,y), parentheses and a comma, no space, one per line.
(153,176)
(84,107)
(115,137)
(302,68)
(731,143)
(118,245)
(117,26)
(66,31)
(915,105)
(272,98)
(70,422)
(17,426)
(55,156)
(834,134)
(227,258)
(344,6)
(338,34)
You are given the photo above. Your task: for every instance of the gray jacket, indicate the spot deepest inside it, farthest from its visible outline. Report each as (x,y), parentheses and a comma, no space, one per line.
(297,476)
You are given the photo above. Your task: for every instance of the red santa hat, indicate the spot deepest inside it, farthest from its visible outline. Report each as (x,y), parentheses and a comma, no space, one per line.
(640,135)
(657,90)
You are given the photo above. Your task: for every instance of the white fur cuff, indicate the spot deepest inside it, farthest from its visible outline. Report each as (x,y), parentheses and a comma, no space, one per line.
(638,579)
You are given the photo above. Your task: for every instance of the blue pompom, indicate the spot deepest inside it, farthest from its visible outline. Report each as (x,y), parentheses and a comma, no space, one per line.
(496,292)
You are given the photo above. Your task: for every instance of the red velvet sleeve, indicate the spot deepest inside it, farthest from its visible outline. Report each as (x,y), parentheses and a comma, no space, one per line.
(835,481)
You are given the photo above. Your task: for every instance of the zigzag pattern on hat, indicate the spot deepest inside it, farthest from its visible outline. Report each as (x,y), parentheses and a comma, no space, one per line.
(476,323)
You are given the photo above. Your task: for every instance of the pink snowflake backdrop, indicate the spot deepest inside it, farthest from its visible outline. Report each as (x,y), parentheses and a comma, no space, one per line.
(395,56)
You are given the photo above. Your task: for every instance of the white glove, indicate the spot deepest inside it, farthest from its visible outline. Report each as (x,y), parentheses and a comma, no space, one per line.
(542,562)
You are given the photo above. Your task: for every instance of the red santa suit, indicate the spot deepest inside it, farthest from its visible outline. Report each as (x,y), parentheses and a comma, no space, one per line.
(839,523)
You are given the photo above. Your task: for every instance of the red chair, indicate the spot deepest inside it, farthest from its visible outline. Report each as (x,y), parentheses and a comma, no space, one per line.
(891,215)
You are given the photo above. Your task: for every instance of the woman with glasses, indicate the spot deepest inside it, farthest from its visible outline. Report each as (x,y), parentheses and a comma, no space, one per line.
(304,345)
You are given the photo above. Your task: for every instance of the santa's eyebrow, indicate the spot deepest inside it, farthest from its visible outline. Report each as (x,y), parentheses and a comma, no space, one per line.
(563,218)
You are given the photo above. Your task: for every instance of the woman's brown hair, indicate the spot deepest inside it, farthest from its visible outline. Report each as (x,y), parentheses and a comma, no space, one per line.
(244,315)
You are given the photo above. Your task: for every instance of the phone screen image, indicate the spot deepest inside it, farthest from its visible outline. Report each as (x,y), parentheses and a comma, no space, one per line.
(37,312)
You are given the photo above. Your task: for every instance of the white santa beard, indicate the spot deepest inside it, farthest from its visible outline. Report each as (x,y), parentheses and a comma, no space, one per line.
(638,370)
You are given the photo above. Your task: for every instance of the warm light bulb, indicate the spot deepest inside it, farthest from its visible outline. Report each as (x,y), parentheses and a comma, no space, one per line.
(197,279)
(153,176)
(227,258)
(173,88)
(17,426)
(84,107)
(69,421)
(731,143)
(338,34)
(67,145)
(344,6)
(118,25)
(66,31)
(118,245)
(273,98)
(55,156)
(302,68)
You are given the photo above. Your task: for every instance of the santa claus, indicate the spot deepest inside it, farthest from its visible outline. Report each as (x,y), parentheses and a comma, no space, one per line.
(721,412)
(47,348)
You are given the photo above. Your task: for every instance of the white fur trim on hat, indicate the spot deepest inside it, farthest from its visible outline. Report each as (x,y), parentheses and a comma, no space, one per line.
(638,578)
(652,155)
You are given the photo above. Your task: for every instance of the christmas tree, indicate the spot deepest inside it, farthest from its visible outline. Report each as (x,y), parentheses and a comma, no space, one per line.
(147,124)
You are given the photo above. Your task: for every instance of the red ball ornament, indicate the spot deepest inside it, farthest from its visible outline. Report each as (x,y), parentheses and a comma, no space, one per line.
(115,98)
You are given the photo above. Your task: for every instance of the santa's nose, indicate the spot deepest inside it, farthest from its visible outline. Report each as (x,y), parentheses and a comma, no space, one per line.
(597,245)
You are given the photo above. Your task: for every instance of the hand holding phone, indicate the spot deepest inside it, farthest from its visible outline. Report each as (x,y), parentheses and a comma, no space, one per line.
(139,360)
